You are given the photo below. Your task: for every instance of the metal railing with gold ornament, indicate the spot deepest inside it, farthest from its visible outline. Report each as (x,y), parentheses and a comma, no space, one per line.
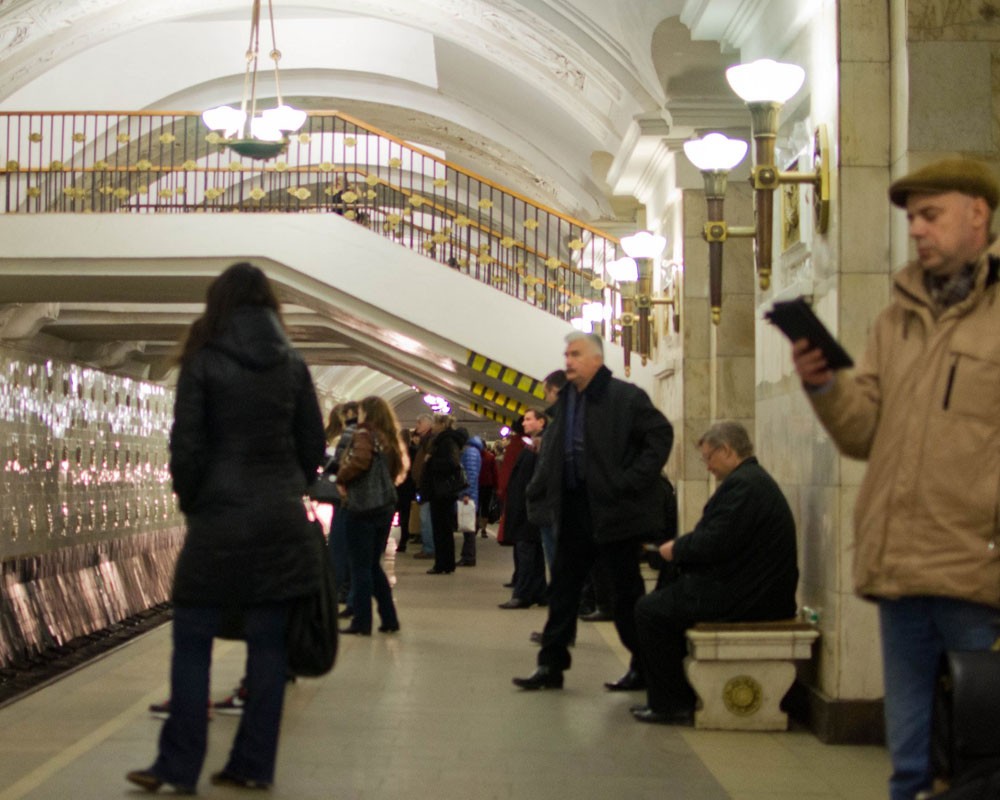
(168,162)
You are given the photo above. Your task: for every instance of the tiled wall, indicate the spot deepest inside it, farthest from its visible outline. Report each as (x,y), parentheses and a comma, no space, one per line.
(88,525)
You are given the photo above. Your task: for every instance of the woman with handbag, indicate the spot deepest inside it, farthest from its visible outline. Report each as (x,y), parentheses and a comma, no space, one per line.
(247,439)
(441,481)
(375,463)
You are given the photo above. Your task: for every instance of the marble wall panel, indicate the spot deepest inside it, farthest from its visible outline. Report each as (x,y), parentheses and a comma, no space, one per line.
(845,537)
(736,328)
(955,20)
(948,111)
(864,28)
(697,328)
(737,398)
(859,675)
(694,469)
(865,220)
(695,265)
(697,389)
(864,114)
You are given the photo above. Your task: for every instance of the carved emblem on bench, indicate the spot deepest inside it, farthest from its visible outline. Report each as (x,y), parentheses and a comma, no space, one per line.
(742,695)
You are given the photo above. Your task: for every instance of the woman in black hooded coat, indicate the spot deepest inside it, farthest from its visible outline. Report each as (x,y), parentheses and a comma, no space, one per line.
(441,481)
(247,439)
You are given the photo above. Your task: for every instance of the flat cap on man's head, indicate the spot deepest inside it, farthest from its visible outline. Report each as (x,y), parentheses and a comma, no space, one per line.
(950,175)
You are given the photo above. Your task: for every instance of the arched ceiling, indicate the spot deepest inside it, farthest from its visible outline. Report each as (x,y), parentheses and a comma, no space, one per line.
(531,94)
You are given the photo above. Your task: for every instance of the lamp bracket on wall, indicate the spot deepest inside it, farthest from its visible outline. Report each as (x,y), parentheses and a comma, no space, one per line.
(720,231)
(819,178)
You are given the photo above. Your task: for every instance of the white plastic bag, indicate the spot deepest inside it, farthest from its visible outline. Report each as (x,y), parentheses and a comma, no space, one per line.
(466,516)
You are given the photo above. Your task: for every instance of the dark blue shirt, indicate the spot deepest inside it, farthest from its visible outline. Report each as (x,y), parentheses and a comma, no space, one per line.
(574,471)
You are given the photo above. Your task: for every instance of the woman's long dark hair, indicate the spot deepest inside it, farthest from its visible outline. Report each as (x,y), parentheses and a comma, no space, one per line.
(241,284)
(380,417)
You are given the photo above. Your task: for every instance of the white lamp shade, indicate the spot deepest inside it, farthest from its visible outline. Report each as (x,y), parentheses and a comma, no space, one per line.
(643,245)
(765,80)
(285,118)
(624,269)
(265,130)
(592,312)
(715,152)
(226,119)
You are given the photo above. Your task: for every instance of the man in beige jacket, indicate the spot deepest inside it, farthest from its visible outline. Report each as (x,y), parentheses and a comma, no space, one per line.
(923,408)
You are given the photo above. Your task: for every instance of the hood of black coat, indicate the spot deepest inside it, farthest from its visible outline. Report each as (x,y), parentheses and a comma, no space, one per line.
(451,434)
(254,338)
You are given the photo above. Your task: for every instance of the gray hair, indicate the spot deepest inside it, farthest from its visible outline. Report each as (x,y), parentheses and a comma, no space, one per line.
(425,417)
(731,434)
(596,342)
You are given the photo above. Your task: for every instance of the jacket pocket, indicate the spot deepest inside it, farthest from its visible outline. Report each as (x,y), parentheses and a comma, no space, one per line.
(972,387)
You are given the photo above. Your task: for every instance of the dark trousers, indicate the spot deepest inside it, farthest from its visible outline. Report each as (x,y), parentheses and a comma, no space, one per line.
(662,619)
(444,522)
(338,551)
(403,507)
(530,584)
(576,553)
(184,735)
(367,535)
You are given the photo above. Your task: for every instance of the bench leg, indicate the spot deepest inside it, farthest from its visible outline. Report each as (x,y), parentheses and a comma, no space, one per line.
(740,695)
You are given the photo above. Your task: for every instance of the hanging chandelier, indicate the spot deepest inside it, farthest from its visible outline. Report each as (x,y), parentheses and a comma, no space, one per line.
(270,128)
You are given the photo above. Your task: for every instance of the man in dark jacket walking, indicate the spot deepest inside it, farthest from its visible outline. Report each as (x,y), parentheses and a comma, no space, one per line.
(738,564)
(600,473)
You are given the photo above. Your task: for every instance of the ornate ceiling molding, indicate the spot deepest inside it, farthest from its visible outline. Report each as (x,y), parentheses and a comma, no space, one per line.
(754,28)
(559,61)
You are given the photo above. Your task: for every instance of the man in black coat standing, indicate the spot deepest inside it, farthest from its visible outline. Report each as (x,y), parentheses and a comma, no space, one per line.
(738,564)
(600,474)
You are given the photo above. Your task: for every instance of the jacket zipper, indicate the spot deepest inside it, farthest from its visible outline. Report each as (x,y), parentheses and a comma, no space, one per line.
(951,382)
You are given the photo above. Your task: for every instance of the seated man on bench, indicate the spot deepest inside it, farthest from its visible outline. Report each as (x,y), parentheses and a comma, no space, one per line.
(739,564)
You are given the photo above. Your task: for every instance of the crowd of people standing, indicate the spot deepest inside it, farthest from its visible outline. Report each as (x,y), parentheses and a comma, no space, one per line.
(582,494)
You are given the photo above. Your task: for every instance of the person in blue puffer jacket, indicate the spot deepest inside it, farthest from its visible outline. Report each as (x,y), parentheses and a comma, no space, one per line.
(472,461)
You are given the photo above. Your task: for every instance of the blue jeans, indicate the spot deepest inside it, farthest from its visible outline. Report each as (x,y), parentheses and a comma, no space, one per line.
(184,735)
(426,528)
(916,632)
(367,535)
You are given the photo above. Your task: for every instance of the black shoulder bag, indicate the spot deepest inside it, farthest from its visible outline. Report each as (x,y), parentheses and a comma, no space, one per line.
(312,636)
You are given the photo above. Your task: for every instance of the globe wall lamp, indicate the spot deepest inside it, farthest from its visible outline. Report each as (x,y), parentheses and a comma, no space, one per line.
(765,86)
(269,129)
(634,276)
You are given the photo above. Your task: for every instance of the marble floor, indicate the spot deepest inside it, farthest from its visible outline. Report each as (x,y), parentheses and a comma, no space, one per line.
(427,713)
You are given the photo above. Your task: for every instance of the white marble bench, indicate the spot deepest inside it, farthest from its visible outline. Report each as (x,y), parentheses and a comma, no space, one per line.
(742,670)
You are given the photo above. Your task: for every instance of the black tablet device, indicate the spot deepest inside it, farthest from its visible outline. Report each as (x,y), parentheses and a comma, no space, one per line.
(797,321)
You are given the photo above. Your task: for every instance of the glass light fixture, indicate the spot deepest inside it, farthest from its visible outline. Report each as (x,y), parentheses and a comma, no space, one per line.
(269,129)
(437,404)
(643,245)
(623,269)
(715,152)
(582,325)
(765,80)
(593,312)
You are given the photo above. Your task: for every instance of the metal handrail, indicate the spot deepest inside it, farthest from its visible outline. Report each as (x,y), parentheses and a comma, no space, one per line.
(168,162)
